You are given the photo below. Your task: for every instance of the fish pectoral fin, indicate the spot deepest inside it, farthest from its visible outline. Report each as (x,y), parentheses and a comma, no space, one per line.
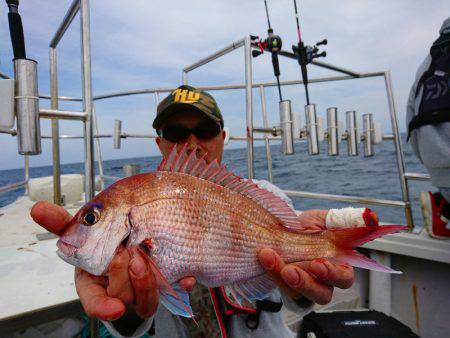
(175,299)
(257,288)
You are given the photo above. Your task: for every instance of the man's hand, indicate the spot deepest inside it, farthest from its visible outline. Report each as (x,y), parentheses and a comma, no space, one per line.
(313,279)
(130,282)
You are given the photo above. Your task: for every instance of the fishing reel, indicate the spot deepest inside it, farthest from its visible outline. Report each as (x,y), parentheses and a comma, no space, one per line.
(305,54)
(271,44)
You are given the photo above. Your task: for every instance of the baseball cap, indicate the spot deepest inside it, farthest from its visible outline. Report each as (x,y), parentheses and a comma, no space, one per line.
(187,98)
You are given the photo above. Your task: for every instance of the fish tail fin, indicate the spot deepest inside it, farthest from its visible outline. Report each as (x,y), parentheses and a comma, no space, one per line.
(346,240)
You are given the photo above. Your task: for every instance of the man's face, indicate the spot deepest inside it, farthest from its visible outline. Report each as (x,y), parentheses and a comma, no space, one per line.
(213,147)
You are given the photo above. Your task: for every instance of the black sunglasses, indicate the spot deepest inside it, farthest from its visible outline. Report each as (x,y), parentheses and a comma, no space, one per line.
(177,132)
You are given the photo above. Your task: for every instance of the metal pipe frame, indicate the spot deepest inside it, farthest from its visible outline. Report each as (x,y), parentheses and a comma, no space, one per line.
(67,20)
(26,172)
(345,198)
(291,55)
(12,132)
(417,176)
(218,87)
(398,150)
(89,172)
(62,114)
(266,138)
(55,128)
(13,186)
(87,99)
(216,55)
(99,150)
(249,106)
(112,178)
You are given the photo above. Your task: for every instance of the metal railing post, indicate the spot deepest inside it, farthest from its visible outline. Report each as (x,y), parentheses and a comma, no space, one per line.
(266,137)
(99,150)
(26,173)
(398,150)
(87,99)
(249,105)
(89,187)
(55,128)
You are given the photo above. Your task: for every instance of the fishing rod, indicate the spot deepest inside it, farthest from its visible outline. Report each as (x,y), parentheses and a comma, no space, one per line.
(16,29)
(272,44)
(305,54)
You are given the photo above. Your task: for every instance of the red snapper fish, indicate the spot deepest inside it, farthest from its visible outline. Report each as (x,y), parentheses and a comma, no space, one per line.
(198,219)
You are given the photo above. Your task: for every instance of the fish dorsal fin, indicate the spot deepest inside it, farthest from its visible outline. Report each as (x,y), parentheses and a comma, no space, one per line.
(190,164)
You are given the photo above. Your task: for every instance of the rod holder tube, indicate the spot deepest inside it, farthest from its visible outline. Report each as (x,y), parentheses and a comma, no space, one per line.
(296,124)
(352,133)
(333,133)
(368,134)
(117,133)
(27,107)
(311,129)
(287,138)
(131,169)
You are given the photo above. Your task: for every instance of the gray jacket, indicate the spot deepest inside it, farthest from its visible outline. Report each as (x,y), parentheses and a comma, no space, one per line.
(431,143)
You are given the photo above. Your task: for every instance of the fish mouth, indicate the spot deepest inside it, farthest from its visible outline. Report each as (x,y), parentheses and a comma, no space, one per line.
(65,248)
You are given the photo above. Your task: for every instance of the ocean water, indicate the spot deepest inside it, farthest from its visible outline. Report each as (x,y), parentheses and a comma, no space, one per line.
(374,177)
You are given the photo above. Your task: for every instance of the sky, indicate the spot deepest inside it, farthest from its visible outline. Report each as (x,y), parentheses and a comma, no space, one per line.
(145,44)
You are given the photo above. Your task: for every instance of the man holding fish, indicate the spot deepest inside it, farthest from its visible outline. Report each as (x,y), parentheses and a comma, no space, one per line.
(191,136)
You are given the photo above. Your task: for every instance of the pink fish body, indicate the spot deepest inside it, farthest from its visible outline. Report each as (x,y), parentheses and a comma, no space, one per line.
(201,220)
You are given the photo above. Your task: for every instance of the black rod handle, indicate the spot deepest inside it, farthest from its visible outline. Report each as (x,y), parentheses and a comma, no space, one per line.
(16,33)
(275,63)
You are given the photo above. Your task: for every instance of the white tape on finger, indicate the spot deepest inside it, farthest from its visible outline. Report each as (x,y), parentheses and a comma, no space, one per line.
(345,218)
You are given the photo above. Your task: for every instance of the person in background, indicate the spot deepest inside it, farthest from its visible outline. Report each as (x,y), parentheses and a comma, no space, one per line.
(428,121)
(127,298)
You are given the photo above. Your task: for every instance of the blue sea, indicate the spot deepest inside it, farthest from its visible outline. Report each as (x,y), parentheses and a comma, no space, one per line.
(375,176)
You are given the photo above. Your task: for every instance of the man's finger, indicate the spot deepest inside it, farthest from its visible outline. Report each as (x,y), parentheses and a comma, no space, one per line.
(50,216)
(303,283)
(273,265)
(313,219)
(187,283)
(144,284)
(96,303)
(341,276)
(119,285)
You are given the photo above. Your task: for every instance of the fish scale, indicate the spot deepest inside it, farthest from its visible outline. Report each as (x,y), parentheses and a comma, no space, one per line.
(199,235)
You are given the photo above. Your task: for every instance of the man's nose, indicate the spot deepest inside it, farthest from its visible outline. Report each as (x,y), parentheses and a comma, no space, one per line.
(193,143)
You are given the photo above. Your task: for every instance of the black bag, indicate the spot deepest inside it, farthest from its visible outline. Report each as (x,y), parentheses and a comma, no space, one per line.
(353,324)
(435,104)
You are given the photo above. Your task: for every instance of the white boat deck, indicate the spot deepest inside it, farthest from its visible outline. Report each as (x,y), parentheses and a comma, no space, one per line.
(34,279)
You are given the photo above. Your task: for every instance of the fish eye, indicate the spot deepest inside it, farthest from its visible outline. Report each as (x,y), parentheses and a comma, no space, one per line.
(91,217)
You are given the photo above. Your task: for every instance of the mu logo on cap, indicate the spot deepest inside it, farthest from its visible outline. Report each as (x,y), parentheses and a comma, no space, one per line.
(185,96)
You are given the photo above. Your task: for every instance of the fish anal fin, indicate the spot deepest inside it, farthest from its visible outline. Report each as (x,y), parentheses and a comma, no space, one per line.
(257,288)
